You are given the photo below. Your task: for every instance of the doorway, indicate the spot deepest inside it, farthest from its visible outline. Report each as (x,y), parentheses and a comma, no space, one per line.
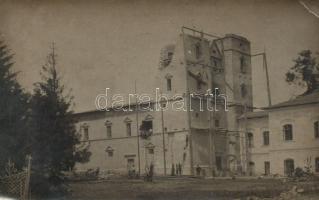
(289,167)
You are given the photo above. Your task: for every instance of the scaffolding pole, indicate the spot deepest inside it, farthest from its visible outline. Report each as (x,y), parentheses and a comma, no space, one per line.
(137,132)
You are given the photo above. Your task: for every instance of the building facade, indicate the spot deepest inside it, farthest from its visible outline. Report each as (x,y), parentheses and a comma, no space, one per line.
(283,137)
(188,131)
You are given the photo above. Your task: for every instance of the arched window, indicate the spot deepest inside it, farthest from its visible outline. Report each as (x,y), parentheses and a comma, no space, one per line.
(316,129)
(289,167)
(250,139)
(287,132)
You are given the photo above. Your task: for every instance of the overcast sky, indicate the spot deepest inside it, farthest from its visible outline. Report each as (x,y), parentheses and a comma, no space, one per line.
(112,43)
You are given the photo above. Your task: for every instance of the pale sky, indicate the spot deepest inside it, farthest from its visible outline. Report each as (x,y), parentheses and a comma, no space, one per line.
(113,43)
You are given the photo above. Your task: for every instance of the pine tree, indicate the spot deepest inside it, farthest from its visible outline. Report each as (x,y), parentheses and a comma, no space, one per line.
(55,137)
(13,114)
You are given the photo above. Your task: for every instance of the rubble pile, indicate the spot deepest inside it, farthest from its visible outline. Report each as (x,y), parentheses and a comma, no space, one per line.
(292,194)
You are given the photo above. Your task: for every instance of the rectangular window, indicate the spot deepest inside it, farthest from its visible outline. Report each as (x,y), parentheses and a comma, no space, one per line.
(266,137)
(267,167)
(128,129)
(109,132)
(243,90)
(316,129)
(169,84)
(169,56)
(86,133)
(110,153)
(219,163)
(198,52)
(242,65)
(288,135)
(213,61)
(146,129)
(250,140)
(216,123)
(199,85)
(151,151)
(317,164)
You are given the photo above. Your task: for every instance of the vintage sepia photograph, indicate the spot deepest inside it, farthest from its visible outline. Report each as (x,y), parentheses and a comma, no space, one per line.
(159,100)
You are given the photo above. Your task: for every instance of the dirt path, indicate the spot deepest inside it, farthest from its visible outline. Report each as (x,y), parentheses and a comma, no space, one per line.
(188,189)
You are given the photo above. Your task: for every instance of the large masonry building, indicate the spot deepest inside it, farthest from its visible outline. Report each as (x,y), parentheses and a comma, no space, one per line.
(190,131)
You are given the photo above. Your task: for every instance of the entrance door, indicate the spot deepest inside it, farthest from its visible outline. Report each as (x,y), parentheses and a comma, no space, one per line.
(219,163)
(251,169)
(130,165)
(289,167)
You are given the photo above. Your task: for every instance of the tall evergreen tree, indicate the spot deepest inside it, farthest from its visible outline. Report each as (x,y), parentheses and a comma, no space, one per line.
(303,71)
(55,138)
(13,114)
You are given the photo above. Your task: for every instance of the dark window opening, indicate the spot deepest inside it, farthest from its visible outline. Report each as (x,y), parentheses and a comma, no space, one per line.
(110,153)
(288,134)
(316,129)
(86,133)
(169,84)
(151,151)
(216,123)
(251,169)
(199,85)
(213,61)
(267,168)
(289,167)
(266,137)
(168,59)
(219,163)
(242,65)
(128,129)
(146,129)
(169,56)
(198,52)
(216,92)
(250,140)
(243,90)
(317,164)
(109,131)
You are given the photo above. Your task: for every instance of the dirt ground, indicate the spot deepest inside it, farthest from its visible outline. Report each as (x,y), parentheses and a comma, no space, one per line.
(184,189)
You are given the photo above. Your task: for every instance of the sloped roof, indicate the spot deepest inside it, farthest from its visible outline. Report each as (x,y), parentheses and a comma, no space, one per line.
(312,98)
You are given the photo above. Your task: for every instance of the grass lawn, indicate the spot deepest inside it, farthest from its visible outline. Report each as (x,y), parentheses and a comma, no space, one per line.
(181,189)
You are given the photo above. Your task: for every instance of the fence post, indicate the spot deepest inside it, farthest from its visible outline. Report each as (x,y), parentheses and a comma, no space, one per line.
(27,180)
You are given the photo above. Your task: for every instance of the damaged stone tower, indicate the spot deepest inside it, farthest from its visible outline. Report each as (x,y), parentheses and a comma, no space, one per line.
(196,63)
